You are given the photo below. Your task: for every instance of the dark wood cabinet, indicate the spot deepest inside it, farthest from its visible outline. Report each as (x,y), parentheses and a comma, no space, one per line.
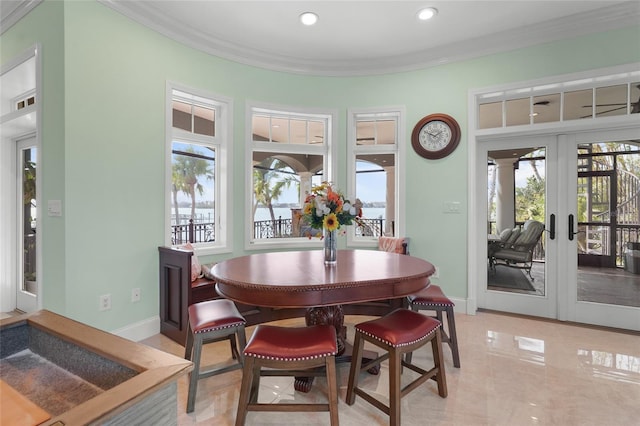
(177,292)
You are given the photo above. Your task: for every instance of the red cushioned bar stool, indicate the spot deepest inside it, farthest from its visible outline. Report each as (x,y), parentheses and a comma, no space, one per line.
(212,321)
(289,351)
(433,299)
(398,333)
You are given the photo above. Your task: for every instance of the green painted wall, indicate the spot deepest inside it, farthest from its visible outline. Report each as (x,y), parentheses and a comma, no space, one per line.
(103,143)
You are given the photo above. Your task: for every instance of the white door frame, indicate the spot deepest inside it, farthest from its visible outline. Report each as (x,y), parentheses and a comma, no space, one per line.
(25,301)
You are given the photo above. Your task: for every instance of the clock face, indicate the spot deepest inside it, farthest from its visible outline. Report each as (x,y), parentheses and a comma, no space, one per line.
(435,135)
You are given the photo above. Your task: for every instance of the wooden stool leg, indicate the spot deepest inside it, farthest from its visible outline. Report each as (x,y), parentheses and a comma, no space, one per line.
(245,391)
(255,383)
(234,347)
(189,343)
(453,338)
(242,342)
(193,380)
(354,371)
(395,392)
(332,387)
(441,379)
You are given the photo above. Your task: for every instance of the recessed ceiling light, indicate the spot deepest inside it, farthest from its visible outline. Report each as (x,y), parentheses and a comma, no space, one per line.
(427,13)
(308,18)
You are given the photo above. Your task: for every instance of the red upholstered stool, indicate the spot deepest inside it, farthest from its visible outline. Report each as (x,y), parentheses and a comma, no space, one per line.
(398,333)
(289,350)
(212,321)
(433,299)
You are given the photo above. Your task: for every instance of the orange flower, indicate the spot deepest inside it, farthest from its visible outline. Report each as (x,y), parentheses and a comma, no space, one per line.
(332,196)
(307,208)
(330,222)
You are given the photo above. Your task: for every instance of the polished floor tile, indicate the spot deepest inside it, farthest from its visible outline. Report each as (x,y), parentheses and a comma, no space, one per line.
(515,371)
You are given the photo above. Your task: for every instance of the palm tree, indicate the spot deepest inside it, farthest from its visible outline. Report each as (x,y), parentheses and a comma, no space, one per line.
(186,171)
(268,183)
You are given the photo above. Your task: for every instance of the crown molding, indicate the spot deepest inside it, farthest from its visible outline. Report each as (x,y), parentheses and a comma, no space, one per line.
(616,16)
(14,12)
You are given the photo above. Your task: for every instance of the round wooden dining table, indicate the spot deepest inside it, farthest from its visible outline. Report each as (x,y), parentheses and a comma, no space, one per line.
(300,279)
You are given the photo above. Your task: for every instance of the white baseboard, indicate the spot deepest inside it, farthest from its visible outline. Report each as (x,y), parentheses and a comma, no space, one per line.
(140,330)
(461,306)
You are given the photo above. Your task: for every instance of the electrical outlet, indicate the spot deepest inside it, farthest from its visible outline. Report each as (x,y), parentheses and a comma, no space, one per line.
(135,295)
(105,302)
(436,274)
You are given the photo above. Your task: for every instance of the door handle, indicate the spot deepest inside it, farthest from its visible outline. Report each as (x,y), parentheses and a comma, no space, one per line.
(552,226)
(571,233)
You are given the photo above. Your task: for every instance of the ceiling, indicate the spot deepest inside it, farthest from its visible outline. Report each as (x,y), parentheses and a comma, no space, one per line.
(362,37)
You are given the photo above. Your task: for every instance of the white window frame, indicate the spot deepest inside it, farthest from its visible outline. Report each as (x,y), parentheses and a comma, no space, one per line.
(222,143)
(398,149)
(327,149)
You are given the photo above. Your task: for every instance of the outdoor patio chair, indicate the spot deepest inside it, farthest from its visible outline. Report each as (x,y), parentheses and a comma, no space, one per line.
(519,253)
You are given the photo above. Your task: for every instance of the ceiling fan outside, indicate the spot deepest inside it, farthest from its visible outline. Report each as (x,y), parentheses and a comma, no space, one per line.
(635,106)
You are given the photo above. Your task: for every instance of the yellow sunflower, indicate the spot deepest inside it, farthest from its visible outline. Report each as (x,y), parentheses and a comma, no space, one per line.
(330,222)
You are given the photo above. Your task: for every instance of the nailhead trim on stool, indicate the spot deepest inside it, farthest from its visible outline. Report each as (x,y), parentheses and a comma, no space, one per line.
(398,333)
(290,350)
(212,321)
(432,298)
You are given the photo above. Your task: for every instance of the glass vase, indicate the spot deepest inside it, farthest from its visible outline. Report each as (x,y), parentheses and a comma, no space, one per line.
(330,247)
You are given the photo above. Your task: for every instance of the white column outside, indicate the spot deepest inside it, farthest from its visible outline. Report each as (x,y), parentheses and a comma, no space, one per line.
(505,193)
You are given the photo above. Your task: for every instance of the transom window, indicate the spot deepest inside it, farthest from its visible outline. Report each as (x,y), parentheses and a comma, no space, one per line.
(616,94)
(289,153)
(198,152)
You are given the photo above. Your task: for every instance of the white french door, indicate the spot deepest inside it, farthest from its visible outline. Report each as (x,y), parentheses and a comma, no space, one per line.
(588,192)
(603,203)
(510,289)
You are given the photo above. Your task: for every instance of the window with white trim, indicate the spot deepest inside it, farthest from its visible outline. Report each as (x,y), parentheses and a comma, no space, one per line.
(373,151)
(289,152)
(198,154)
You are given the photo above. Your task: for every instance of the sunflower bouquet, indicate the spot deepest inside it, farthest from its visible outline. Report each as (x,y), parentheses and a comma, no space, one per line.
(327,208)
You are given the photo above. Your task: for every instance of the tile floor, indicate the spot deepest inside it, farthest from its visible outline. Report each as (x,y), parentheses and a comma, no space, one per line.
(515,371)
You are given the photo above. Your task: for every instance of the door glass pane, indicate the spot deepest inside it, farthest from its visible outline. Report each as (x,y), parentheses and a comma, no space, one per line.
(28,220)
(517,204)
(608,223)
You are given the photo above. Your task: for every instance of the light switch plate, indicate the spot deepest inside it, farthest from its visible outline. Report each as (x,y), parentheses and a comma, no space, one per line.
(54,208)
(452,207)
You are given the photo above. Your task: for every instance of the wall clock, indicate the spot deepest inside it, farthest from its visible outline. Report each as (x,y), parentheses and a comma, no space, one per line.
(435,136)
